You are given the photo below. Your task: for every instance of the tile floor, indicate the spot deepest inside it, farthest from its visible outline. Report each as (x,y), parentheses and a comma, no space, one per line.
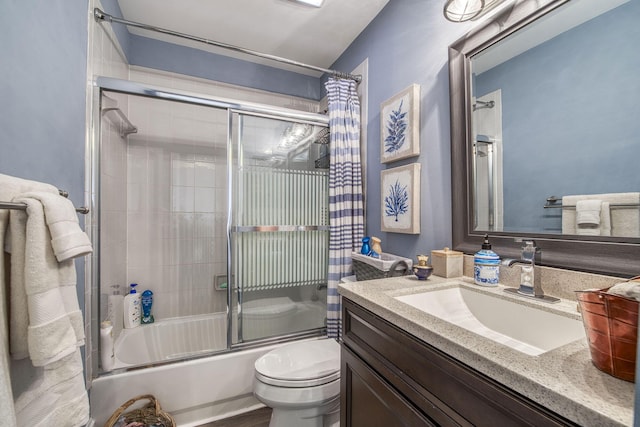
(257,418)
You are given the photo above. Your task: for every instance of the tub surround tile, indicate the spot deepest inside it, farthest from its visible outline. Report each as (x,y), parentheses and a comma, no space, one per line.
(563,379)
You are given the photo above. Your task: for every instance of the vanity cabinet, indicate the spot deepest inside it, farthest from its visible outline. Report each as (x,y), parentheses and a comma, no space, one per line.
(390,378)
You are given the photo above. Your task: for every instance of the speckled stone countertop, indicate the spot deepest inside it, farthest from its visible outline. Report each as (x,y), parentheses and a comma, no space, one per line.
(563,379)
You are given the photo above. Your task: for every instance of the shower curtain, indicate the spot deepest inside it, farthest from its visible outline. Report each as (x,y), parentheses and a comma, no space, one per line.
(346,210)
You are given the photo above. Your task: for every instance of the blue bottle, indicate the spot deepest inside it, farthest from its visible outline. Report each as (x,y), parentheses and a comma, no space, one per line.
(366,247)
(147,302)
(486,265)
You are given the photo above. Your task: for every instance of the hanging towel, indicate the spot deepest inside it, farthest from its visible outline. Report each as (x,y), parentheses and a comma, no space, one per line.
(588,212)
(55,325)
(588,226)
(56,396)
(67,238)
(52,383)
(9,188)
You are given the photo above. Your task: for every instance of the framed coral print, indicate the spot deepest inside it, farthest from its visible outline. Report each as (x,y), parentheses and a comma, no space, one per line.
(400,125)
(400,196)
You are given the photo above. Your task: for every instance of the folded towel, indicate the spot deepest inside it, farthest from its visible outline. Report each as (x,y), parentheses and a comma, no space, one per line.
(67,238)
(603,229)
(588,212)
(626,289)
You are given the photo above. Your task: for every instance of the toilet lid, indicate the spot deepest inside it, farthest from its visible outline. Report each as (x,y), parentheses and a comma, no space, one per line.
(303,364)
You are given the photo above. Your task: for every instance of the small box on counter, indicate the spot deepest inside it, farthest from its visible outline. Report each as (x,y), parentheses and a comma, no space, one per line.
(447,263)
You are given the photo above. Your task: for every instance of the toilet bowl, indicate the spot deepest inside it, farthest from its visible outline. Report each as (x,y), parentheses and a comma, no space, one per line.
(301,383)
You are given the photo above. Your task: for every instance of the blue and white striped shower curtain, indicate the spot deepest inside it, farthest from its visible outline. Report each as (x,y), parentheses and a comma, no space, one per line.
(346,210)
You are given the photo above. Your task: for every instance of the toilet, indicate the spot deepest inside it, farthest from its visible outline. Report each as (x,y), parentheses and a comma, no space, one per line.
(301,383)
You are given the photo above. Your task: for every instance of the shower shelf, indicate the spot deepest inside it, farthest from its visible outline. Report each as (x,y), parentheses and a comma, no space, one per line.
(124,131)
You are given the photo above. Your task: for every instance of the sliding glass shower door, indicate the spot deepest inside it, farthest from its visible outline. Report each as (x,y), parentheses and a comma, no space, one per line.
(279,226)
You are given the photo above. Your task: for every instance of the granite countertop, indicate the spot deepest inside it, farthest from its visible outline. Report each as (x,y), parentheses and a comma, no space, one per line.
(563,379)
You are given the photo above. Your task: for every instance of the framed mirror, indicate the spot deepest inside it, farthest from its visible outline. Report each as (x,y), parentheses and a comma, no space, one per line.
(543,125)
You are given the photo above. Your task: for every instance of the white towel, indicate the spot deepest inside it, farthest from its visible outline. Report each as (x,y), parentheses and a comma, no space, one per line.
(9,187)
(67,238)
(55,321)
(626,289)
(588,212)
(49,388)
(57,395)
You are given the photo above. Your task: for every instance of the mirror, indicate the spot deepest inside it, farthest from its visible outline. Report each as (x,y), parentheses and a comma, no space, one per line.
(543,107)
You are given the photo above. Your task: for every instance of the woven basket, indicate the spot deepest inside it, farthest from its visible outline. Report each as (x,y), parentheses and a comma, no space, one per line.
(150,414)
(611,325)
(369,268)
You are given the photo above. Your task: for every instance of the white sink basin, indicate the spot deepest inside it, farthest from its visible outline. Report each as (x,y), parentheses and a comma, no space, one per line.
(524,328)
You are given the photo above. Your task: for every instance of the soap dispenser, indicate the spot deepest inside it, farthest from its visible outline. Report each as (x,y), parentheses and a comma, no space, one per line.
(486,265)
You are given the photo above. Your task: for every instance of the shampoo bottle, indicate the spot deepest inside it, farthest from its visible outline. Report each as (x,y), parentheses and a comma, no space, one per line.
(486,265)
(132,308)
(147,302)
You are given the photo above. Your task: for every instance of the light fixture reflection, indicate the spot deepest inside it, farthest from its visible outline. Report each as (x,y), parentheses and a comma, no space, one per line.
(462,10)
(314,3)
(465,10)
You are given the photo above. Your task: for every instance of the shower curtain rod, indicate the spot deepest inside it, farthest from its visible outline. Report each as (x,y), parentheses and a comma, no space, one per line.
(99,15)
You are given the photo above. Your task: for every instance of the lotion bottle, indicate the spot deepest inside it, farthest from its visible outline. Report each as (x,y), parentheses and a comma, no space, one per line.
(486,265)
(115,309)
(132,308)
(107,358)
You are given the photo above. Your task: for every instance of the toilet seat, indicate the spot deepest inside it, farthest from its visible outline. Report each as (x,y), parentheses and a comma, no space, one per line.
(304,364)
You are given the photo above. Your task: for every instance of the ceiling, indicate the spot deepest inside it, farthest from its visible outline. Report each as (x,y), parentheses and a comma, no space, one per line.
(315,36)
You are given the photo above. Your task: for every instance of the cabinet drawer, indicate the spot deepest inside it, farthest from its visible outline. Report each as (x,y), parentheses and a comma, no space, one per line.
(441,387)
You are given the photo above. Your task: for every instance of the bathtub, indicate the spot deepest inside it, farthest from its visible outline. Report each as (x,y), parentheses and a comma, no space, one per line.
(181,337)
(195,391)
(171,339)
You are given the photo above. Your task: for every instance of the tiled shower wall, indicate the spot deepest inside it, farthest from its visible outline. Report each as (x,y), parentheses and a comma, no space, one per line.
(176,205)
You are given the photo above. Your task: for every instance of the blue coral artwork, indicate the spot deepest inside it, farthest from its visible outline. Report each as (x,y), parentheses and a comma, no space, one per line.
(396,130)
(399,125)
(400,194)
(397,200)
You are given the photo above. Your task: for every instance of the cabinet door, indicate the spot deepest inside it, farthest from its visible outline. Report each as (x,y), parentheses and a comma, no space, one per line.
(367,400)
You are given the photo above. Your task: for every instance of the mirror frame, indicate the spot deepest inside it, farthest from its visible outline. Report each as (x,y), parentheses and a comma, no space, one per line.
(604,255)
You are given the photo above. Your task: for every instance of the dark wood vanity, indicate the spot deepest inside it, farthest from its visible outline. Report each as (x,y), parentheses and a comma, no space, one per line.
(390,378)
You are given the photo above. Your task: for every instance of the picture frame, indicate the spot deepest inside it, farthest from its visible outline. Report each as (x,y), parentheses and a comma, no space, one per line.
(400,199)
(400,125)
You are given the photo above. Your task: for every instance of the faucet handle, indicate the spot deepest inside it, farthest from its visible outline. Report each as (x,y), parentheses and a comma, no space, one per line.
(529,250)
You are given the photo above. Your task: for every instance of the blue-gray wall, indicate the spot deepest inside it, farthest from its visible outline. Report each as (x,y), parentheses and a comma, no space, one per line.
(43,46)
(151,53)
(408,43)
(42,87)
(570,117)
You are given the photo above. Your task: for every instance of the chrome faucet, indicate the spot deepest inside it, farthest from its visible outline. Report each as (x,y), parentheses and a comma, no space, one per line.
(529,286)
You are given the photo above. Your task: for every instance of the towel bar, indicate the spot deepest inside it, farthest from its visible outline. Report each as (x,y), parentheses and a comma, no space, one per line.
(621,205)
(21,206)
(552,203)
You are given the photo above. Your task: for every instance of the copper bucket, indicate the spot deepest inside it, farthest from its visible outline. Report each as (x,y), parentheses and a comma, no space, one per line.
(611,325)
